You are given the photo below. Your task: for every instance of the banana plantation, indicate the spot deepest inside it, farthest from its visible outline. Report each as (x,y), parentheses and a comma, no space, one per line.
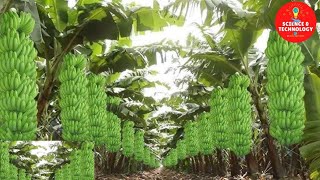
(156,89)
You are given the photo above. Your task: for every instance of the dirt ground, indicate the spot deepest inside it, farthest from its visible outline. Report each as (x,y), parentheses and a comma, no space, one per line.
(166,174)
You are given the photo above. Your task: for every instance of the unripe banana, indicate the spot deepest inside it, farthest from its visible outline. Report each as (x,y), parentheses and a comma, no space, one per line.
(74,116)
(128,138)
(238,115)
(285,90)
(18,77)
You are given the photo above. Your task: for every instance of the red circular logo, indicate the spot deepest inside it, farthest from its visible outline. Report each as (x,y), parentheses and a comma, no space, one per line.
(295,22)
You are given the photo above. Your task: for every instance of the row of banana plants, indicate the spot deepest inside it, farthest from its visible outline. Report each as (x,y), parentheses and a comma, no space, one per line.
(229,125)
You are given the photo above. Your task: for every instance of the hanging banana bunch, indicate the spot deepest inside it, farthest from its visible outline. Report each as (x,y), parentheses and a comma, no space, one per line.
(113,131)
(191,135)
(139,145)
(128,138)
(13,172)
(67,172)
(285,89)
(18,88)
(81,164)
(4,161)
(87,158)
(165,161)
(59,174)
(219,121)
(239,114)
(171,159)
(155,161)
(152,160)
(73,99)
(205,134)
(11,21)
(97,111)
(64,173)
(181,149)
(147,153)
(113,100)
(22,175)
(76,164)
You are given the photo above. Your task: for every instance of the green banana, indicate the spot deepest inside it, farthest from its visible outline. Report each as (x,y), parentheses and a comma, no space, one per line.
(238,114)
(285,90)
(73,101)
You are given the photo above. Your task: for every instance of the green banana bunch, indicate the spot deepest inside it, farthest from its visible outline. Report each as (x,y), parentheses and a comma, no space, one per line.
(18,87)
(285,90)
(181,149)
(64,173)
(22,175)
(13,172)
(128,139)
(97,111)
(113,131)
(113,100)
(147,156)
(76,164)
(81,164)
(11,21)
(239,114)
(139,145)
(59,174)
(191,137)
(87,158)
(73,102)
(4,161)
(205,134)
(171,159)
(219,122)
(154,161)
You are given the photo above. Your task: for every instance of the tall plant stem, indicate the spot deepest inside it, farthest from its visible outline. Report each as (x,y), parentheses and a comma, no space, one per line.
(277,167)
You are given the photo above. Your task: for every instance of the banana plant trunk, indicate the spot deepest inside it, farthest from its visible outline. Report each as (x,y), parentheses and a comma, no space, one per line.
(235,166)
(276,165)
(253,167)
(221,164)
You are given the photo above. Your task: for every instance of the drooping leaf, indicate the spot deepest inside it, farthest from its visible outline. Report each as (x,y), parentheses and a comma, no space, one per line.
(311,51)
(87,2)
(57,11)
(311,138)
(31,7)
(99,25)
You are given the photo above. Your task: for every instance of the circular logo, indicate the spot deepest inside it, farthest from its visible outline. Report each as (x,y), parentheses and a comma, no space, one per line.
(295,22)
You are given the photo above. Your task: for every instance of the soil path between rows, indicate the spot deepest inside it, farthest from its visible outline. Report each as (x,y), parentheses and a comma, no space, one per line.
(159,174)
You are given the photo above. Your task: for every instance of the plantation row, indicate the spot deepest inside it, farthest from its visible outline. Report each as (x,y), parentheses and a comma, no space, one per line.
(82,160)
(228,125)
